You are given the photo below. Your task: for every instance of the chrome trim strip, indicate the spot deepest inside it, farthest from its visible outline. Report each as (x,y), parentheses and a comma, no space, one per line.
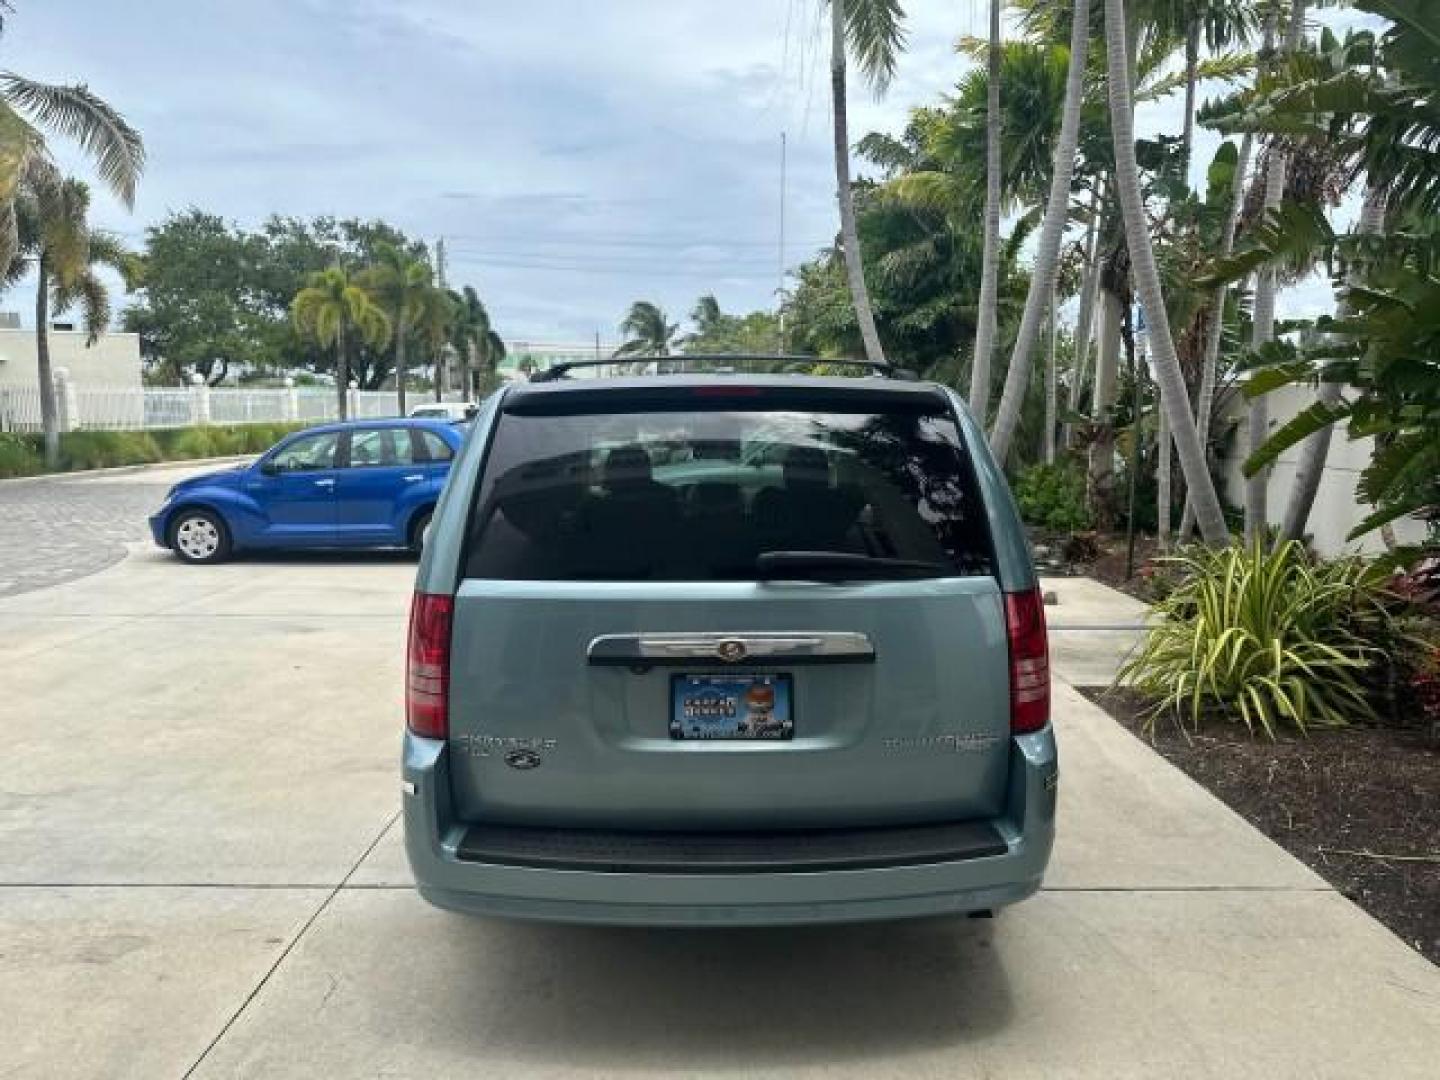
(741,647)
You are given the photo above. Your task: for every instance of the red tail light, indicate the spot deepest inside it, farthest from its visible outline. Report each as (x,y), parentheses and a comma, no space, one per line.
(427,675)
(1029,661)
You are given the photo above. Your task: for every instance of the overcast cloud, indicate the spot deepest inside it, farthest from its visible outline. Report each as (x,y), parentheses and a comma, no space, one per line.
(576,155)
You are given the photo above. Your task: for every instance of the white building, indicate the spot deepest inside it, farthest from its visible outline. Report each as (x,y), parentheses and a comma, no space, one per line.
(1336,511)
(523,357)
(112,363)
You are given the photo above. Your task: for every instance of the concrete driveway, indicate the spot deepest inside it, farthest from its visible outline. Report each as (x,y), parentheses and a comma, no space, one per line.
(200,874)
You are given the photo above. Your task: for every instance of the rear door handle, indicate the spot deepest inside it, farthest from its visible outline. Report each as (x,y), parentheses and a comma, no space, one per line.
(761,647)
(324,483)
(413,477)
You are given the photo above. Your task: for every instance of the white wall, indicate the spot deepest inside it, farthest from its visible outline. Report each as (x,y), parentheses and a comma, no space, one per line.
(1335,512)
(113,362)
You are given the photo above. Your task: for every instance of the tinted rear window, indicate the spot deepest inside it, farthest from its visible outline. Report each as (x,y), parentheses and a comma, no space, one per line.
(699,495)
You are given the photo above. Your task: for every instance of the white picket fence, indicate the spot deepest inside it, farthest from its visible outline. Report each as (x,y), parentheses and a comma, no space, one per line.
(132,409)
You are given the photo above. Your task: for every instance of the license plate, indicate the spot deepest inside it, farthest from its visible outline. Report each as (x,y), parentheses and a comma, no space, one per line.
(731,707)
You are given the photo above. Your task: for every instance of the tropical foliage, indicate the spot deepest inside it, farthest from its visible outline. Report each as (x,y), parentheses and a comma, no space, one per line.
(215,299)
(1269,638)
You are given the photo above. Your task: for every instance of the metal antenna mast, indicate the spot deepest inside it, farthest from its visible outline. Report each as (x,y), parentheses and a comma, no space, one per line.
(780,286)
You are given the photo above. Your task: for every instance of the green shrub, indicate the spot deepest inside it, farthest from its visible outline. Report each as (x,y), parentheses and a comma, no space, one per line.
(1271,638)
(23,454)
(106,449)
(20,455)
(1053,497)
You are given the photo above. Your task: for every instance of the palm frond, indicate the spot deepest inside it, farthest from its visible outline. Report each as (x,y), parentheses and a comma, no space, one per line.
(77,113)
(875,34)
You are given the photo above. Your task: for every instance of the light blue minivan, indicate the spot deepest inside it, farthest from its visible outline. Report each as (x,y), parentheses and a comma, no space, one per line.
(727,649)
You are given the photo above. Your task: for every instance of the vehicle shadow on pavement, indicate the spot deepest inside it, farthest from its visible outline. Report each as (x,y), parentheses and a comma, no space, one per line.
(325,557)
(762,997)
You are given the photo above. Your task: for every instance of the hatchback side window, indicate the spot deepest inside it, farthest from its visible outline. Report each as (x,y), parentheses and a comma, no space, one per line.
(431,446)
(307,454)
(380,447)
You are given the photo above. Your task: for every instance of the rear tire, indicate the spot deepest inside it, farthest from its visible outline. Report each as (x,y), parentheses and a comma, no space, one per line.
(418,530)
(199,536)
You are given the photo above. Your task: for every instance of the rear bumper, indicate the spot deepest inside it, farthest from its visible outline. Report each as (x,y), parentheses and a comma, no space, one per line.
(449,874)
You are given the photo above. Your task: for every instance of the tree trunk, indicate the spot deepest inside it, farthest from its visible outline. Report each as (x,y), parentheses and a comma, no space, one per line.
(1163,470)
(400,336)
(1085,318)
(1100,478)
(1048,444)
(1310,467)
(1192,80)
(1257,505)
(849,234)
(342,370)
(1146,276)
(989,314)
(1210,364)
(439,375)
(49,414)
(1047,262)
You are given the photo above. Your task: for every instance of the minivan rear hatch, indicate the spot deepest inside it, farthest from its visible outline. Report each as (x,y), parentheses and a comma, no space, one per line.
(718,604)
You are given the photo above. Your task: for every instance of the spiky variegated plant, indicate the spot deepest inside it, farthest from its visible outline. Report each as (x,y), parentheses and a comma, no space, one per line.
(333,310)
(1270,638)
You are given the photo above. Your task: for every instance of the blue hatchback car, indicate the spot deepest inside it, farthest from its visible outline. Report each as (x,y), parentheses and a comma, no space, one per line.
(358,484)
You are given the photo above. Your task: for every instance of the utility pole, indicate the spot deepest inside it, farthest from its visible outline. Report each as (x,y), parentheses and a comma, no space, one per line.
(780,286)
(440,353)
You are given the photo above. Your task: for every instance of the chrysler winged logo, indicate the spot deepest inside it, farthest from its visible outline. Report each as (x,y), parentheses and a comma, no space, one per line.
(731,650)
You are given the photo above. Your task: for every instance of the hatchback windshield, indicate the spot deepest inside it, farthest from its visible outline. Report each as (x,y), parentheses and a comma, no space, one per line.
(717,495)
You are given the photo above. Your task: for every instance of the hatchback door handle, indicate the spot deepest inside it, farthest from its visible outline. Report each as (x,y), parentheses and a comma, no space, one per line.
(761,647)
(324,483)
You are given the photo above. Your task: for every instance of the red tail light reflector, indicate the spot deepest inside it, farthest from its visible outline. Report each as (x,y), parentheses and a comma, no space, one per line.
(1029,661)
(427,675)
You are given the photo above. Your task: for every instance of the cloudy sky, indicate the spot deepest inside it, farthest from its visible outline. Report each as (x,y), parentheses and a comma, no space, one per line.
(576,155)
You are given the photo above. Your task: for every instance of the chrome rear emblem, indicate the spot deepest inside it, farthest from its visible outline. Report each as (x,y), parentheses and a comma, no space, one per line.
(731,650)
(522,759)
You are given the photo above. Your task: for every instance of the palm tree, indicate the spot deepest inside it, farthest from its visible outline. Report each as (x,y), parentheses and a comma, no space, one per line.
(874,30)
(1057,216)
(52,230)
(436,313)
(27,110)
(401,285)
(1257,510)
(1146,275)
(706,314)
(474,339)
(335,311)
(647,331)
(989,313)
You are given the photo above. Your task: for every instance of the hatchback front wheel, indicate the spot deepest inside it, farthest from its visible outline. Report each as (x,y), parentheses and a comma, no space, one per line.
(199,536)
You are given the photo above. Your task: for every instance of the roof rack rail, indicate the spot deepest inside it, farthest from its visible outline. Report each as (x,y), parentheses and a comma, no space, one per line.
(679,364)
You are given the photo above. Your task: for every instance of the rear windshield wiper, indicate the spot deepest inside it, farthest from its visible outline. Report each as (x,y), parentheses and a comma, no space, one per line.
(840,565)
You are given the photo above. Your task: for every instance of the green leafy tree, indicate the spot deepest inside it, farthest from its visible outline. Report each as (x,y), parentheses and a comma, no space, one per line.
(335,311)
(198,309)
(716,332)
